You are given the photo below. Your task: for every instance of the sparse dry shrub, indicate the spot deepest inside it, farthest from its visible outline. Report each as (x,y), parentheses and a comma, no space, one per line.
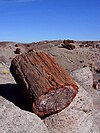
(5,71)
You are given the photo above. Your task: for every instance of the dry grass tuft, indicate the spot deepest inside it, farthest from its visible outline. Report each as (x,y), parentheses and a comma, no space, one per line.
(5,71)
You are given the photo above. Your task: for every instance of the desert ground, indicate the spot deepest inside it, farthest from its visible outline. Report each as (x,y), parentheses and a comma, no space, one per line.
(85,54)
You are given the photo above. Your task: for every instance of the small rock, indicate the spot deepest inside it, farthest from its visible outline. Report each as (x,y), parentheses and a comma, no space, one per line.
(85,66)
(16,45)
(68,41)
(98,46)
(96,81)
(81,61)
(28,45)
(81,46)
(67,44)
(17,51)
(97,67)
(96,85)
(31,50)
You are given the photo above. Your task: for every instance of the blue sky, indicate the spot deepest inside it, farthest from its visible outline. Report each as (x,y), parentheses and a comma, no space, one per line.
(37,20)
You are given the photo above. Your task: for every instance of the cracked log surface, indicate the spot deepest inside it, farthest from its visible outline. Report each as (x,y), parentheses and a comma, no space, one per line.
(46,86)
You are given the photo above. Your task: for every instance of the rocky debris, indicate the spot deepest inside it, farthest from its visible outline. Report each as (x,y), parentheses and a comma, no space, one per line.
(85,66)
(88,44)
(42,81)
(15,120)
(98,46)
(81,46)
(68,41)
(45,45)
(17,45)
(96,85)
(97,67)
(76,118)
(67,44)
(20,44)
(31,50)
(96,81)
(17,51)
(28,45)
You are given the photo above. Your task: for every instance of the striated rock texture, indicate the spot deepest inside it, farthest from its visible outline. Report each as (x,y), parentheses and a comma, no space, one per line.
(46,86)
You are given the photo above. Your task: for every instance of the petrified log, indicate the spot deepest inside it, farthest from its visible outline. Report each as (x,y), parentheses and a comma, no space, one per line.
(67,44)
(46,86)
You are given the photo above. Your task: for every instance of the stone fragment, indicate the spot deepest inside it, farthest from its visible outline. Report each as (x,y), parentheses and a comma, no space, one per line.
(16,45)
(68,41)
(42,81)
(81,45)
(97,67)
(31,50)
(98,46)
(17,51)
(67,44)
(96,81)
(81,61)
(28,45)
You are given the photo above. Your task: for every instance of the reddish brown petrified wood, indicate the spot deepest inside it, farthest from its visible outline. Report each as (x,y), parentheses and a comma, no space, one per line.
(68,44)
(46,86)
